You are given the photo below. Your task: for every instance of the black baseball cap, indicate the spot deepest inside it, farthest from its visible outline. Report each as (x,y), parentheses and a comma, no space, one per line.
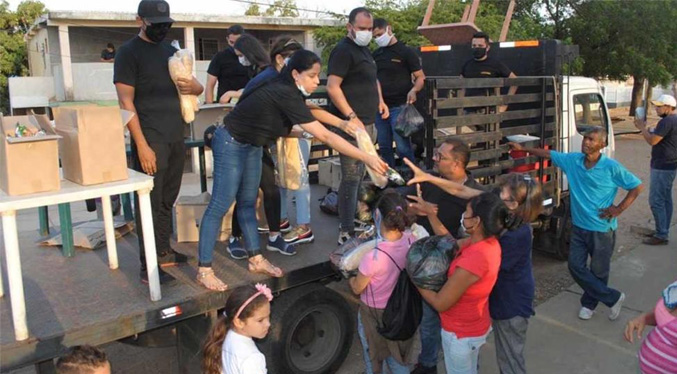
(154,11)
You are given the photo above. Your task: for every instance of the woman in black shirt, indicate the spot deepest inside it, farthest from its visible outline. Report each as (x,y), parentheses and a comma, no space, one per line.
(263,115)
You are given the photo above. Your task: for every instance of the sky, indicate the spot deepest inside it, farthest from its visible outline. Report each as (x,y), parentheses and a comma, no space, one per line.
(228,7)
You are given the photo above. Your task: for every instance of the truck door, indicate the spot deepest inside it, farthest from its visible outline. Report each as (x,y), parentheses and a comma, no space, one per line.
(588,109)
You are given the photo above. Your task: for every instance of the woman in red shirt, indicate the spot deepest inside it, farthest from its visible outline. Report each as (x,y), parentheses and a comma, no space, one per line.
(463,301)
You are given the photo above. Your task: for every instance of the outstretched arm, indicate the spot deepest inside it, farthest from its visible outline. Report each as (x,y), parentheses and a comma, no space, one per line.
(545,153)
(448,186)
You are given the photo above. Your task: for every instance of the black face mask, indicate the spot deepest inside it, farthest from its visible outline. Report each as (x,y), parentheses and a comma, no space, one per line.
(479,53)
(157,32)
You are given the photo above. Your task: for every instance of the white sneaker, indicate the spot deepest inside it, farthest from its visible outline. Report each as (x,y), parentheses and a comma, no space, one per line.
(585,313)
(616,309)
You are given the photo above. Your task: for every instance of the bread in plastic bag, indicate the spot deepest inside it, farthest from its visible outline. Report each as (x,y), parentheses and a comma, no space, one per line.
(181,66)
(428,261)
(409,121)
(365,144)
(291,167)
(348,256)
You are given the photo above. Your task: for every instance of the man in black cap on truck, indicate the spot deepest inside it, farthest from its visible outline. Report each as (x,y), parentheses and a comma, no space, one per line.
(143,84)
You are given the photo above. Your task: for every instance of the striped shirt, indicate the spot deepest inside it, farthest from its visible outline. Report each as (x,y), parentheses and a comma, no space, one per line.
(658,353)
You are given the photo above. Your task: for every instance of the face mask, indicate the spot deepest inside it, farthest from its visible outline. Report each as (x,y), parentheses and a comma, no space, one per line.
(362,38)
(157,32)
(303,90)
(243,61)
(479,53)
(383,40)
(286,61)
(463,226)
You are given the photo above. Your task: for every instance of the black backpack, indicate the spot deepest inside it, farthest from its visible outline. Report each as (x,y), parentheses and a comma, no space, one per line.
(329,203)
(403,312)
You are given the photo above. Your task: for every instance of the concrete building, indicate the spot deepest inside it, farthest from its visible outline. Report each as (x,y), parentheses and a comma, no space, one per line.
(64,49)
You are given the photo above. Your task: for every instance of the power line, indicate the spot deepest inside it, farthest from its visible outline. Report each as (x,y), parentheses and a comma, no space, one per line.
(251,2)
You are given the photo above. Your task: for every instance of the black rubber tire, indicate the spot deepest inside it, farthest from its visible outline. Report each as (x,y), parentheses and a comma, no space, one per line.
(556,239)
(311,331)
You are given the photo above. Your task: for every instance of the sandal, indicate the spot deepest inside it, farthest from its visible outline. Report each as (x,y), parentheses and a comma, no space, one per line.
(208,279)
(264,266)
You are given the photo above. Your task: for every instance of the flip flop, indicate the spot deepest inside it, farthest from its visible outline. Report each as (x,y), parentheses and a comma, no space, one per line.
(208,279)
(264,266)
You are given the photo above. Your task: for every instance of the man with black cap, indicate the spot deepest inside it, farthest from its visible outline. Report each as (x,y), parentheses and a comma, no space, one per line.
(143,84)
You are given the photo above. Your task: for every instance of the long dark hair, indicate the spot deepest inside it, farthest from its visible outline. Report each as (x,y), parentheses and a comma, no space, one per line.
(494,215)
(211,350)
(393,209)
(300,61)
(252,49)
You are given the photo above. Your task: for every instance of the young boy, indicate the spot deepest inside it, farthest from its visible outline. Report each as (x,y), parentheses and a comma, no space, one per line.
(83,359)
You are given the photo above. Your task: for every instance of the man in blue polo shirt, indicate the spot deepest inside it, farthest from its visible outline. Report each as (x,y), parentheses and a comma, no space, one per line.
(594,180)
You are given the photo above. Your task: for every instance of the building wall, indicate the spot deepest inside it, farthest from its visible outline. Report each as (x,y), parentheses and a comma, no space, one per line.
(38,54)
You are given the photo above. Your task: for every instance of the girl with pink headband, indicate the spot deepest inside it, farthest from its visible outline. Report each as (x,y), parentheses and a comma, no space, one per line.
(230,348)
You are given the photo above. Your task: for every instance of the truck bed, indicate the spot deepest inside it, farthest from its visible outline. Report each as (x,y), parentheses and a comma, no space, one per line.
(79,300)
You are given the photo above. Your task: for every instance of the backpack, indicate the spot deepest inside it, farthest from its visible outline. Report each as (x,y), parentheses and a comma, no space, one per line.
(329,203)
(403,312)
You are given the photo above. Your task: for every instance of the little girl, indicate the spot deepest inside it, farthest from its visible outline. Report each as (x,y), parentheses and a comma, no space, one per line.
(375,282)
(229,348)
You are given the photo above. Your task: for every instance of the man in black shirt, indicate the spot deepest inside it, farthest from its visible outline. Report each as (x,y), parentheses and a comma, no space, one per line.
(484,66)
(354,91)
(143,84)
(108,54)
(451,160)
(226,69)
(397,66)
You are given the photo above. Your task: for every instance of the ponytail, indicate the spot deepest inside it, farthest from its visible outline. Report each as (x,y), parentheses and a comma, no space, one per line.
(393,209)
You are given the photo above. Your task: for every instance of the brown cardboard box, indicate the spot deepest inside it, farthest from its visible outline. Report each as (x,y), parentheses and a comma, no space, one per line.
(93,143)
(188,212)
(28,165)
(330,172)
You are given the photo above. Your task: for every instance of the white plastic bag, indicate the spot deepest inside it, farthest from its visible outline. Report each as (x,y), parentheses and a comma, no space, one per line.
(365,144)
(181,66)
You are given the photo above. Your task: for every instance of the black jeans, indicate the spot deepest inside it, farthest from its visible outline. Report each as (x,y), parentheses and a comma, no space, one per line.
(271,196)
(167,183)
(352,174)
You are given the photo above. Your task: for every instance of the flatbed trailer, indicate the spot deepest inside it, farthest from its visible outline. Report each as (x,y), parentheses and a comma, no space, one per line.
(79,300)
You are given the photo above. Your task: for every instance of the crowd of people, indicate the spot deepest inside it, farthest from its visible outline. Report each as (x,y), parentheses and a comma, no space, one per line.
(490,284)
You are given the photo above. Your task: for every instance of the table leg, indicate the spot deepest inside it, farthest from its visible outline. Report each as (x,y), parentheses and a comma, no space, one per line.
(127,207)
(67,248)
(110,232)
(203,169)
(149,245)
(16,284)
(43,213)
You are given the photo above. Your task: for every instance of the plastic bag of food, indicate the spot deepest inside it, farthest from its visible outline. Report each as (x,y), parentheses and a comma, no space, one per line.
(365,144)
(181,66)
(348,256)
(291,167)
(428,261)
(419,231)
(409,121)
(329,203)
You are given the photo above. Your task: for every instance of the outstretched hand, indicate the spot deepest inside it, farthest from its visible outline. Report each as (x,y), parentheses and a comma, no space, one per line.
(420,176)
(420,206)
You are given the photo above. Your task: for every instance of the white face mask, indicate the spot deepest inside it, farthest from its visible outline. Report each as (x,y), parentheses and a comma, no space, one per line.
(362,38)
(384,40)
(286,61)
(243,60)
(463,226)
(303,90)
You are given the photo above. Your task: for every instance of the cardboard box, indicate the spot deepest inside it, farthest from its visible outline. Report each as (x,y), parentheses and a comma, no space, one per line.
(330,172)
(31,164)
(188,212)
(92,147)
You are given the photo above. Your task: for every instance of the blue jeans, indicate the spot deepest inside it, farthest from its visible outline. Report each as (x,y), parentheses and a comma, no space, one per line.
(461,356)
(394,366)
(429,329)
(660,200)
(237,173)
(386,133)
(599,246)
(302,195)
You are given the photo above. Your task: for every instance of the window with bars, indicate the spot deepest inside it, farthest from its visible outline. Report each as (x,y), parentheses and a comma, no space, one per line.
(207,48)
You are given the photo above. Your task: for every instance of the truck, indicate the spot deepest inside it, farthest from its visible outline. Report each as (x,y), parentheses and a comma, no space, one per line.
(550,109)
(80,301)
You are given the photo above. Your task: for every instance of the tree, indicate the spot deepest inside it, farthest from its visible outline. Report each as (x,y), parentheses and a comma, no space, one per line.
(13,57)
(253,10)
(631,38)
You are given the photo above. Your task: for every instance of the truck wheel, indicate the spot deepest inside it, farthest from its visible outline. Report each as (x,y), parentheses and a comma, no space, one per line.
(311,331)
(562,230)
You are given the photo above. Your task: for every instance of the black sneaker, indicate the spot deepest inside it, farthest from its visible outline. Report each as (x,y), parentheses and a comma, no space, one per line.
(171,258)
(420,369)
(164,276)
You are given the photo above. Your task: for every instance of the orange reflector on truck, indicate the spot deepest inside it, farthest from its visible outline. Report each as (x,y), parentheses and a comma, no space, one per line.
(435,48)
(525,43)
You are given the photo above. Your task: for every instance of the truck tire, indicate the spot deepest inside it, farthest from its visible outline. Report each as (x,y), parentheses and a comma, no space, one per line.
(556,238)
(311,331)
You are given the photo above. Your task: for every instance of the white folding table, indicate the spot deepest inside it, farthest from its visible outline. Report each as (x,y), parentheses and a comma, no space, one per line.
(69,192)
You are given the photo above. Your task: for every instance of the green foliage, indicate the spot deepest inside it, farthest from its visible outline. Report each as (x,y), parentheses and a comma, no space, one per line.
(278,8)
(253,10)
(13,57)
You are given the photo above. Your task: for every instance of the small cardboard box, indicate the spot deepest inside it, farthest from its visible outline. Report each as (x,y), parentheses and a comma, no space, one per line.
(31,164)
(92,147)
(188,212)
(330,172)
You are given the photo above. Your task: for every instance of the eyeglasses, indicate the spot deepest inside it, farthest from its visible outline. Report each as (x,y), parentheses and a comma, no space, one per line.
(437,156)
